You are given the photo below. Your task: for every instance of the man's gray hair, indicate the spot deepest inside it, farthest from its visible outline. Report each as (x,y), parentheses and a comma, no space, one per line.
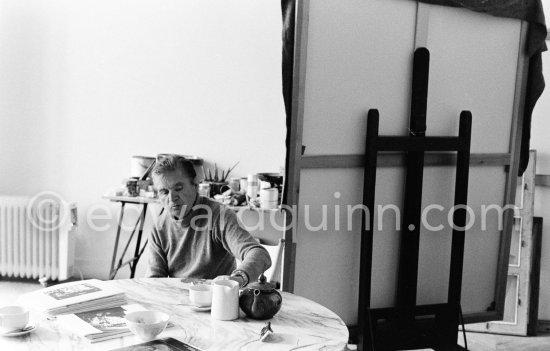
(173,163)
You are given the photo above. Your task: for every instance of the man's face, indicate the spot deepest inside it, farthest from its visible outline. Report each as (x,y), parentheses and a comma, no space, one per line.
(176,191)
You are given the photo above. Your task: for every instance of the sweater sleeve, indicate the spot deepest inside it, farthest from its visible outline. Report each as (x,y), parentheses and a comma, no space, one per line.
(254,258)
(158,264)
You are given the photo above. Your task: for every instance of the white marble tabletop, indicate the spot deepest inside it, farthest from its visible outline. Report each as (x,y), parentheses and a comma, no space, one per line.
(300,324)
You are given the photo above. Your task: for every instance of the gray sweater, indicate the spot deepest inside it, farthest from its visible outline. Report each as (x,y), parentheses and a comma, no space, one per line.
(204,244)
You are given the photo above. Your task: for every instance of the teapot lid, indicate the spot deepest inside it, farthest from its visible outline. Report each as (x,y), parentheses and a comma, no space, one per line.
(261,284)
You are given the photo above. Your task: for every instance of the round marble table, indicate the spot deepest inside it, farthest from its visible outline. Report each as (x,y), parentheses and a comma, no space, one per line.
(300,324)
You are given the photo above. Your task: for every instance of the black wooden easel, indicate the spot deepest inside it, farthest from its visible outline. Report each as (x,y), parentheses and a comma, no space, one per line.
(407,325)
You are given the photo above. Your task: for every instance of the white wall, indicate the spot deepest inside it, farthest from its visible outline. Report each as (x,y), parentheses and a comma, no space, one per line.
(84,85)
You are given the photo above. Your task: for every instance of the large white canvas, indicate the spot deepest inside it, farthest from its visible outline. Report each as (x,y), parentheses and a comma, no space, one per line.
(473,67)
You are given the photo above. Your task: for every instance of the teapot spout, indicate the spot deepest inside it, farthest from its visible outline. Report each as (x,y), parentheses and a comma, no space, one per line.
(256,307)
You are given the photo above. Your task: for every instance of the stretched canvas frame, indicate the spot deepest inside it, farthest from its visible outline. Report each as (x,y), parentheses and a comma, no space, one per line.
(298,163)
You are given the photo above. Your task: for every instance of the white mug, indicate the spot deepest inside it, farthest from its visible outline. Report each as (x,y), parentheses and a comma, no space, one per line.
(200,295)
(269,195)
(225,300)
(13,318)
(269,198)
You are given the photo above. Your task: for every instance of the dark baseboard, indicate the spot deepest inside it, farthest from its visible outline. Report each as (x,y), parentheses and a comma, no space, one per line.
(543,326)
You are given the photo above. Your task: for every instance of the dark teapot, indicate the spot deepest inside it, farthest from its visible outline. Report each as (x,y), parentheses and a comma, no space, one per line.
(260,300)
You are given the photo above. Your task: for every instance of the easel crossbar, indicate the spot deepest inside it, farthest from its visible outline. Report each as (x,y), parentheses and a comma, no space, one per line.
(397,143)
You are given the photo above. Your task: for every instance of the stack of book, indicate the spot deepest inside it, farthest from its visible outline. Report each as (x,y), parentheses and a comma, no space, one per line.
(74,297)
(91,309)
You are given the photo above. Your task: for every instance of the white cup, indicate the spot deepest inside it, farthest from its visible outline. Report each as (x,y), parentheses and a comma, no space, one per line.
(269,198)
(13,318)
(269,195)
(200,295)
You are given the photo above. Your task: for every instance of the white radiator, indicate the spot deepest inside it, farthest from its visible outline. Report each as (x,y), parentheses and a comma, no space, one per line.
(37,238)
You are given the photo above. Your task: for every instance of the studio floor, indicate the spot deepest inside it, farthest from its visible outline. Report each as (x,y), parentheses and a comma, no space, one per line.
(10,290)
(491,342)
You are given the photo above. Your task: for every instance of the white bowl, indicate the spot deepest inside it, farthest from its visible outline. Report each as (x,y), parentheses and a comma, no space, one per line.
(147,325)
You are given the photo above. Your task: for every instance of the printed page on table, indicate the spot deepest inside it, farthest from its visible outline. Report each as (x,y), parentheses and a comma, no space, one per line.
(167,344)
(99,323)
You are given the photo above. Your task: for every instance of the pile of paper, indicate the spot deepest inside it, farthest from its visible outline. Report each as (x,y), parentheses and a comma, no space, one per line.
(74,297)
(99,325)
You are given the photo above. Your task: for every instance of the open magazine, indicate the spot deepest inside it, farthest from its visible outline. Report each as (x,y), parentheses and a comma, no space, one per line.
(74,297)
(101,324)
(167,344)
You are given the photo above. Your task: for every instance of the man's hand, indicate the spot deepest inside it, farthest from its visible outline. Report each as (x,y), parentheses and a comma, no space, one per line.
(238,279)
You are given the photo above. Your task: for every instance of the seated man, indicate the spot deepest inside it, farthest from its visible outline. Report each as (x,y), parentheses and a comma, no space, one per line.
(197,237)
